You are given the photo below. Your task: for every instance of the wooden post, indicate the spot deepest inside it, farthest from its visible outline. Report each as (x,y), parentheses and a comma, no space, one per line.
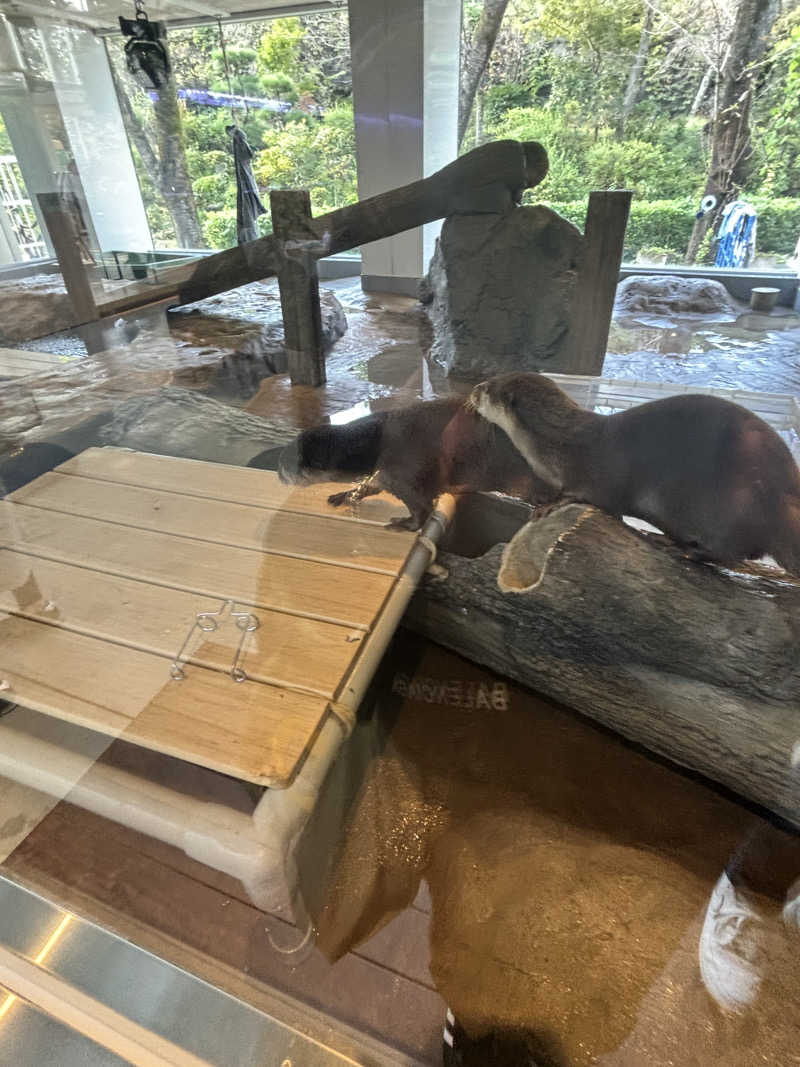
(59,211)
(299,286)
(593,299)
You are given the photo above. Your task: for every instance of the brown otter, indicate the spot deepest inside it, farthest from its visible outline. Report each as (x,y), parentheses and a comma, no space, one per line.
(415,453)
(709,473)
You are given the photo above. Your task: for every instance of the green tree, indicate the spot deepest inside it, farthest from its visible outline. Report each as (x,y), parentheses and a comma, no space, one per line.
(279,47)
(476,52)
(731,148)
(319,156)
(241,69)
(157,134)
(777,114)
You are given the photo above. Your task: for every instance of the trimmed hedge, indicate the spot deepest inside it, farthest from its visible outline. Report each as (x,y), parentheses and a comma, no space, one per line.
(778,224)
(668,223)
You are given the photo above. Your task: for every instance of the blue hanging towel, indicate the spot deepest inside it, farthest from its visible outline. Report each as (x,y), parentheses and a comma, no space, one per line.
(737,235)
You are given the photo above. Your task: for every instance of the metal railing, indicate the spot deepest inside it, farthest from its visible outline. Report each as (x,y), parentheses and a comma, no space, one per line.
(19,211)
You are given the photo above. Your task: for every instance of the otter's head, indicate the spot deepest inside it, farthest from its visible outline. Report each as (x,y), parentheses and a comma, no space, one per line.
(537,416)
(514,401)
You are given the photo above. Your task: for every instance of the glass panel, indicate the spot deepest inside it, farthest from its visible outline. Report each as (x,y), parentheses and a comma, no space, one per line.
(400,529)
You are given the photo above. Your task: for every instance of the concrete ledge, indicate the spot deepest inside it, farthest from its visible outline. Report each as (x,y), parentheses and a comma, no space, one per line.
(739,283)
(339,267)
(383,283)
(10,271)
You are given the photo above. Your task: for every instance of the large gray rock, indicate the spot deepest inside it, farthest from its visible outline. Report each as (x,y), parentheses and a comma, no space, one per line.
(180,422)
(499,289)
(34,306)
(672,294)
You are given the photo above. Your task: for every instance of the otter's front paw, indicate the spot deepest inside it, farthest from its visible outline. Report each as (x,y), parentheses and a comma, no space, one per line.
(409,523)
(337,499)
(437,573)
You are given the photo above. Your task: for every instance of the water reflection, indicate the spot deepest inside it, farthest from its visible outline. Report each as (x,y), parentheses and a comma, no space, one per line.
(576,902)
(758,352)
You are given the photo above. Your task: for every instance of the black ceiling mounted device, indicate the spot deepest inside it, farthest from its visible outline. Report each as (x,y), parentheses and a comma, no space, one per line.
(145,52)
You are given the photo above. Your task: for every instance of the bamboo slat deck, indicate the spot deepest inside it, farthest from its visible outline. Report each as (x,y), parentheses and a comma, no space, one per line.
(106,562)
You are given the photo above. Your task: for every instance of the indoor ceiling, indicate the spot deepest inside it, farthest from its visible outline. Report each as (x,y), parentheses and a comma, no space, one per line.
(101,15)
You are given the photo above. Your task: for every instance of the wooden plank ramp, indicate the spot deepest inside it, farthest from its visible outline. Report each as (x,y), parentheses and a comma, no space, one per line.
(106,563)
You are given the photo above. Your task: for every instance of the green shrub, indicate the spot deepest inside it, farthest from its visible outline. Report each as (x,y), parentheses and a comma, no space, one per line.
(652,223)
(498,99)
(659,222)
(219,227)
(668,223)
(213,192)
(778,224)
(318,156)
(634,164)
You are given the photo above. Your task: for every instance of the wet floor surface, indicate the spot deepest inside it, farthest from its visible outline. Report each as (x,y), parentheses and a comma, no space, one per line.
(231,350)
(490,851)
(755,352)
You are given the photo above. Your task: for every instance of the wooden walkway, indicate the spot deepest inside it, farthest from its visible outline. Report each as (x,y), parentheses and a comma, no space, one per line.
(106,563)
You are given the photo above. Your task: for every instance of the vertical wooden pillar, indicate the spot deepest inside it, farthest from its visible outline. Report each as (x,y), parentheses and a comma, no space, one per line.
(299,285)
(58,211)
(593,301)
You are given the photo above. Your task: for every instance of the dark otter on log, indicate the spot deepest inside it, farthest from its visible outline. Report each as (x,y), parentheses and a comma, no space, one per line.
(415,453)
(712,475)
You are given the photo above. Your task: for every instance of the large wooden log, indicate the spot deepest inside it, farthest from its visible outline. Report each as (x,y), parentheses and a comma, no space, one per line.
(489,178)
(697,663)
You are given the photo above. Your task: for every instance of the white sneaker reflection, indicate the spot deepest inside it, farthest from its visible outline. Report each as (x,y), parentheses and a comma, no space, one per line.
(732,948)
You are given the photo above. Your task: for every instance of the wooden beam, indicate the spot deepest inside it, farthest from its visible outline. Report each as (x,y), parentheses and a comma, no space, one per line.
(59,211)
(486,179)
(593,299)
(299,285)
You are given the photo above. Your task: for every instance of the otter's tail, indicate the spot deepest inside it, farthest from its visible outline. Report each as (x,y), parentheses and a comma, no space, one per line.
(351,448)
(787,541)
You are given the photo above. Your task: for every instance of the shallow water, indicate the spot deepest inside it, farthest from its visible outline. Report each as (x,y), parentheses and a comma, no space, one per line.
(757,352)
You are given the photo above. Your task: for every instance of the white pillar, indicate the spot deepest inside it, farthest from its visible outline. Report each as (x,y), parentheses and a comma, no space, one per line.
(93,123)
(29,118)
(405,58)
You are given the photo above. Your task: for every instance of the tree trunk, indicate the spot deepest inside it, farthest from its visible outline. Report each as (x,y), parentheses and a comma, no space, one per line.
(476,57)
(634,85)
(167,166)
(174,183)
(134,129)
(730,136)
